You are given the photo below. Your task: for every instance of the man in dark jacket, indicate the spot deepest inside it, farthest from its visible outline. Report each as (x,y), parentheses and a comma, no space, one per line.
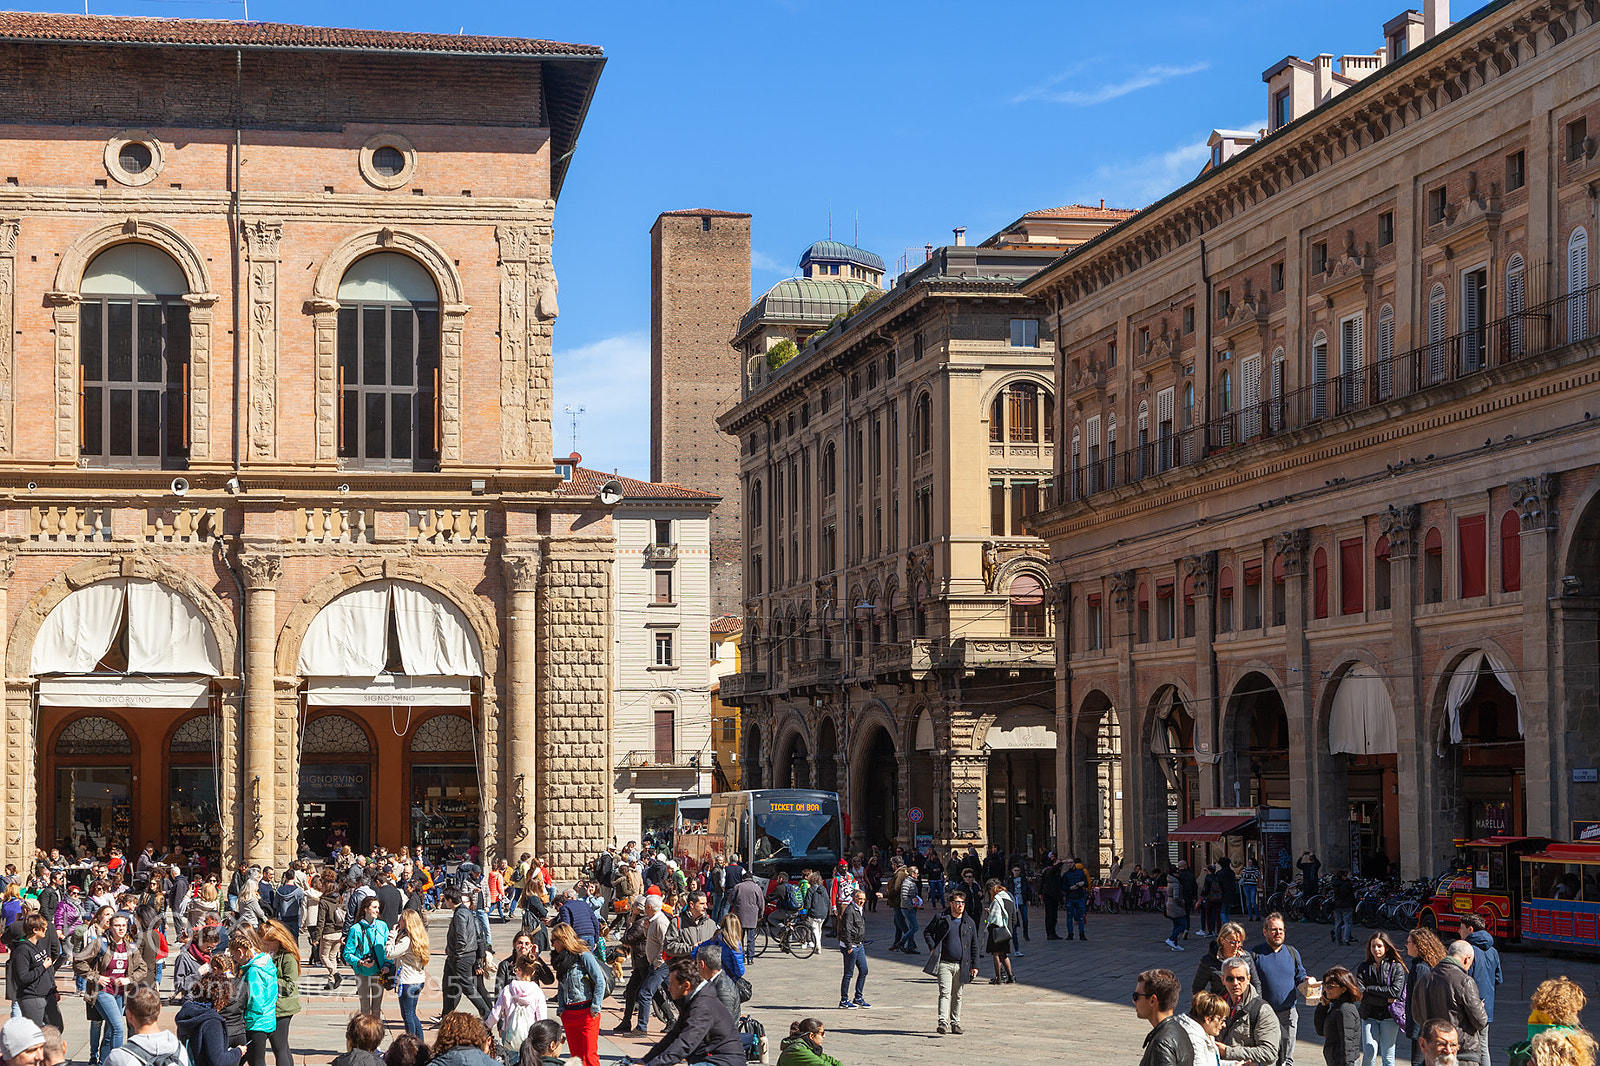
(576,912)
(1191,891)
(704,1033)
(1052,888)
(952,940)
(1155,999)
(747,902)
(177,893)
(1075,887)
(465,954)
(1449,993)
(852,945)
(1251,1033)
(391,901)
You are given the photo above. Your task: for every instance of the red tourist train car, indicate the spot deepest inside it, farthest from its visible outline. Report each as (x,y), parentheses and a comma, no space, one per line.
(1487,881)
(1560,893)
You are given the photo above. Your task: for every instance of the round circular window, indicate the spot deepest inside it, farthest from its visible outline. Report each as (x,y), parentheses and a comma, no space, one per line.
(388,161)
(134,157)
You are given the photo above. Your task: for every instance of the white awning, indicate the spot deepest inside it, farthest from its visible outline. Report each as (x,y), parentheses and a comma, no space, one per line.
(924,740)
(1029,729)
(1362,721)
(1464,682)
(350,636)
(166,632)
(388,690)
(116,690)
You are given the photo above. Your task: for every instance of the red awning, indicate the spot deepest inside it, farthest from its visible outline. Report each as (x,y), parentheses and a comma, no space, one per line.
(1211,828)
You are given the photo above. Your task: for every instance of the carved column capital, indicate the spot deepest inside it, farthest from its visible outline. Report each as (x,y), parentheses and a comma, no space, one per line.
(1292,544)
(1535,500)
(8,561)
(522,570)
(261,239)
(1202,571)
(1399,524)
(261,570)
(9,229)
(1122,583)
(516,242)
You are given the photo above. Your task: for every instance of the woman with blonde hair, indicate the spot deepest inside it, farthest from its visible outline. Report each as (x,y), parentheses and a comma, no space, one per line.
(1561,1046)
(580,986)
(408,950)
(1208,1013)
(276,940)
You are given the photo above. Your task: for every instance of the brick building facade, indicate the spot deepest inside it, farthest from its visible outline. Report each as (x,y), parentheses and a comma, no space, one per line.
(699,286)
(282,534)
(1326,535)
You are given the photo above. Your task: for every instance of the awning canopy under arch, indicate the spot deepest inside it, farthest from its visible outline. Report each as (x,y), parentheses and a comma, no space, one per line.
(1362,718)
(350,637)
(166,632)
(1026,728)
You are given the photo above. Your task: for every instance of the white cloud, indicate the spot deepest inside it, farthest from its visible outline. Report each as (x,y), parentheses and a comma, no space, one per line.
(1099,94)
(761,261)
(610,380)
(1138,182)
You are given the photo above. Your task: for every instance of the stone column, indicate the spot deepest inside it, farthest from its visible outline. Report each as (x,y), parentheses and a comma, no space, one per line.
(572,816)
(1217,772)
(1552,743)
(522,740)
(18,815)
(1414,761)
(1306,762)
(261,418)
(258,782)
(9,228)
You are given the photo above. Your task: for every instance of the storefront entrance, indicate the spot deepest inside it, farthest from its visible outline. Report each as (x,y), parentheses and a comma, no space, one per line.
(94,806)
(335,808)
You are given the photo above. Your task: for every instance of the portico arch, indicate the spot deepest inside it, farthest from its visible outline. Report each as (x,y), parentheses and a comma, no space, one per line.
(1475,731)
(1097,772)
(1358,734)
(791,765)
(875,777)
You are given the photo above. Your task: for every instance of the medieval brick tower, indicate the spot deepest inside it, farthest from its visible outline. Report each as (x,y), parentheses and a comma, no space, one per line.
(699,288)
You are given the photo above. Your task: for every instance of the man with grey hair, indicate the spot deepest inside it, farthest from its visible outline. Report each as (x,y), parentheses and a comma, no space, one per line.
(1439,1041)
(1251,1033)
(1450,995)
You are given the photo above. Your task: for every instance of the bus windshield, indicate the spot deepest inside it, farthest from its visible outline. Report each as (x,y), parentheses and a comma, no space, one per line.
(792,833)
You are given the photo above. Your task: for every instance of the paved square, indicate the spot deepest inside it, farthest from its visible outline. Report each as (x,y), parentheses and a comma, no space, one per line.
(1070,999)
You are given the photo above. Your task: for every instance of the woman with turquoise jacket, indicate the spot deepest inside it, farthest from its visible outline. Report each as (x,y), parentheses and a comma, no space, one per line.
(365,950)
(261,982)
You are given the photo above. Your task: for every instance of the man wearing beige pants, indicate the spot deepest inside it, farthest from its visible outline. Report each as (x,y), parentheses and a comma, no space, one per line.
(952,940)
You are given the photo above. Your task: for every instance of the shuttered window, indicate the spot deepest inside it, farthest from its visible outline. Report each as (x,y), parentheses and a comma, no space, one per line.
(1510,552)
(1250,396)
(1351,574)
(1319,575)
(1438,327)
(1577,285)
(1386,352)
(1516,301)
(1351,361)
(1472,543)
(1319,375)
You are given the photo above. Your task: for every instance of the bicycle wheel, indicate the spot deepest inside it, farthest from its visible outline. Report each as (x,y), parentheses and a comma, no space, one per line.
(763,939)
(800,944)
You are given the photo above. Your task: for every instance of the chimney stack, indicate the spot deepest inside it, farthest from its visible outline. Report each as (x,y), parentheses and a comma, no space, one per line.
(927,252)
(1435,18)
(961,236)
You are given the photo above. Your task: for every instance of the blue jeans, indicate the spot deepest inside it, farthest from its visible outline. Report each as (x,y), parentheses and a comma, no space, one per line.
(1077,909)
(1344,925)
(1180,925)
(647,992)
(408,1008)
(1378,1037)
(899,927)
(855,960)
(1252,905)
(936,892)
(1022,919)
(112,1031)
(907,916)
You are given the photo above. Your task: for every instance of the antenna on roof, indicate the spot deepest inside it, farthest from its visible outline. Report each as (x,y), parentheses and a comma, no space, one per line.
(830,220)
(573,413)
(858,229)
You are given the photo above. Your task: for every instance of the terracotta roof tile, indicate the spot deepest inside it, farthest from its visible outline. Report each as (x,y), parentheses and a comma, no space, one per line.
(24,25)
(1081,211)
(728,623)
(587,482)
(712,211)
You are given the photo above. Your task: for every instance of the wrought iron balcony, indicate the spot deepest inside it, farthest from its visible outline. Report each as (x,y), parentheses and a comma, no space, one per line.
(660,553)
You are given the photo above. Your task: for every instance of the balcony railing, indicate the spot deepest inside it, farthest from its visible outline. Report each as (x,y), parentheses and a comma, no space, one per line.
(1553,324)
(813,672)
(660,553)
(734,686)
(656,760)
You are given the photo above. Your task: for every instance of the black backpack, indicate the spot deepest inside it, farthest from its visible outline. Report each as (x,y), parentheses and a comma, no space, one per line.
(605,869)
(748,1026)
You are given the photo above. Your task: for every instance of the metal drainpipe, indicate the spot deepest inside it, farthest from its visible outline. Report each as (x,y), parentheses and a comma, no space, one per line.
(238,240)
(1214,730)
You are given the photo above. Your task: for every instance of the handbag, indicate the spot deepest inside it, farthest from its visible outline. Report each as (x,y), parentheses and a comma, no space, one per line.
(1397,1008)
(745,991)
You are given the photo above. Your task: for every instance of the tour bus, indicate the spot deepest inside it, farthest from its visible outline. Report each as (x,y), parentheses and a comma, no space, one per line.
(767,830)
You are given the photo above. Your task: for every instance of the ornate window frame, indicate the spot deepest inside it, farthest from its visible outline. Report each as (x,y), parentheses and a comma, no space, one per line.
(323,307)
(387,181)
(113,158)
(65,297)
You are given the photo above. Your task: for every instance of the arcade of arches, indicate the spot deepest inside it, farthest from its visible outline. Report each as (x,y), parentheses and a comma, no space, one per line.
(995,785)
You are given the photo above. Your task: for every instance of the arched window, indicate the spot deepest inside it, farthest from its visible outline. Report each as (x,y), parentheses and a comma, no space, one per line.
(1027,606)
(133,360)
(1319,579)
(1578,285)
(1224,392)
(755,503)
(919,627)
(1319,375)
(334,734)
(1022,405)
(829,470)
(443,732)
(1516,300)
(997,418)
(1385,351)
(924,424)
(1433,566)
(1142,441)
(1510,552)
(388,364)
(93,735)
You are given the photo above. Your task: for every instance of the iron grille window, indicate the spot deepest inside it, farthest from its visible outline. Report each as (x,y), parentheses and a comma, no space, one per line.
(389,385)
(134,373)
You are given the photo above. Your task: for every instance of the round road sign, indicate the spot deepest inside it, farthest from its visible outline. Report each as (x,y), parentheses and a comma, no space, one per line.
(915,815)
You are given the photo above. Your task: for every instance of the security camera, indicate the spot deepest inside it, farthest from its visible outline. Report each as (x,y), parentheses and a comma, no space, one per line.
(232,485)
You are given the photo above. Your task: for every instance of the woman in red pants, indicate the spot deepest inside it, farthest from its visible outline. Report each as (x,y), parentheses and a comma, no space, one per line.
(580,986)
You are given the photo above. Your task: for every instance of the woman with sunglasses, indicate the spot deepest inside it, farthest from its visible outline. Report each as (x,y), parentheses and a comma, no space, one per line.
(803,1045)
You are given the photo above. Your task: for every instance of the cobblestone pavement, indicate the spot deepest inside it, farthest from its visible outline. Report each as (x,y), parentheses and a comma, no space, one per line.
(1071,997)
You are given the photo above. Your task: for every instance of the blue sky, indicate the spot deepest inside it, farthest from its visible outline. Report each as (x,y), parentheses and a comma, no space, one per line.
(912,118)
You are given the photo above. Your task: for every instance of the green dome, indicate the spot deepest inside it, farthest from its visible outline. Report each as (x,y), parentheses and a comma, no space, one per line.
(806,301)
(837,251)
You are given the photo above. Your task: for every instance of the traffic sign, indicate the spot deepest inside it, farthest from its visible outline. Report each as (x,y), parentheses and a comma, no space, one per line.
(915,815)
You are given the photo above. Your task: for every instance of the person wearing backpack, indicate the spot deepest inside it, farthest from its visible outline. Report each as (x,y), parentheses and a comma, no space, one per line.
(818,906)
(907,898)
(520,1004)
(201,1026)
(1281,979)
(149,1044)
